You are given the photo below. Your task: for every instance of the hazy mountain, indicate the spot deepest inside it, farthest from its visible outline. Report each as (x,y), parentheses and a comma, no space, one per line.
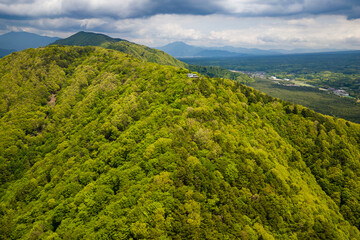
(96,144)
(248,51)
(4,52)
(218,53)
(22,40)
(181,49)
(301,50)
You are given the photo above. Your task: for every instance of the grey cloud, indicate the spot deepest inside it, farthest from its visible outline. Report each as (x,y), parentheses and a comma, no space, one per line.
(278,8)
(132,17)
(21,9)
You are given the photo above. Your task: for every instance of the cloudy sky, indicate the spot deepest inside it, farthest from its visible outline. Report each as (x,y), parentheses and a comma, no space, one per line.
(265,24)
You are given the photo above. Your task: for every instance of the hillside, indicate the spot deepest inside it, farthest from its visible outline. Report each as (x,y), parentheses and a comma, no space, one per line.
(95,144)
(139,51)
(22,40)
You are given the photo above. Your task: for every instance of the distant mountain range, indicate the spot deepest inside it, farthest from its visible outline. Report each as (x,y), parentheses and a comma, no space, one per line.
(4,52)
(183,50)
(17,41)
(22,40)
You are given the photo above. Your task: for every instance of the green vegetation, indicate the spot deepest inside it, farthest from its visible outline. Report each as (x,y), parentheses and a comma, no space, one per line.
(145,53)
(212,71)
(95,144)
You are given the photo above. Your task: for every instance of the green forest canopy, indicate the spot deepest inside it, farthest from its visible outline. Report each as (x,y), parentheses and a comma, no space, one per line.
(96,144)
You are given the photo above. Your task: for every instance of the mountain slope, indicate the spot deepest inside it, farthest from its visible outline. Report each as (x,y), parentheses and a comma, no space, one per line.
(136,50)
(96,144)
(22,40)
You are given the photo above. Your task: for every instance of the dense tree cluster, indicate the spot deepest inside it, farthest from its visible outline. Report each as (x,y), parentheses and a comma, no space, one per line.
(213,71)
(95,144)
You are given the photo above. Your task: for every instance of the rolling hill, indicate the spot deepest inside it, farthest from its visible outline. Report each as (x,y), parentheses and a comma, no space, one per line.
(96,144)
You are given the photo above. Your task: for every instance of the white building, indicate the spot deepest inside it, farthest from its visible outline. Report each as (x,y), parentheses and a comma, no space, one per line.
(192,75)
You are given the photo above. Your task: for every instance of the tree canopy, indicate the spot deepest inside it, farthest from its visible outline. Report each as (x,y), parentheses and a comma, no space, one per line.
(96,144)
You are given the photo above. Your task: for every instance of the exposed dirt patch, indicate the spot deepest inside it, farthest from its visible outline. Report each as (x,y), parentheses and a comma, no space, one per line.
(52,101)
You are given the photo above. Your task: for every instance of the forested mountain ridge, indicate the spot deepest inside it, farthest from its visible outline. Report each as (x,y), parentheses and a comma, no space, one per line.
(133,49)
(87,39)
(95,144)
(145,53)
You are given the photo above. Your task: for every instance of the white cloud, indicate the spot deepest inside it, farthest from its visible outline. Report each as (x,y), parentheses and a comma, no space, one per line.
(233,26)
(320,32)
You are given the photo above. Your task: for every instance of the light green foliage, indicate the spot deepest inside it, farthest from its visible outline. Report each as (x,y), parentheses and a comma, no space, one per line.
(135,150)
(145,53)
(213,71)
